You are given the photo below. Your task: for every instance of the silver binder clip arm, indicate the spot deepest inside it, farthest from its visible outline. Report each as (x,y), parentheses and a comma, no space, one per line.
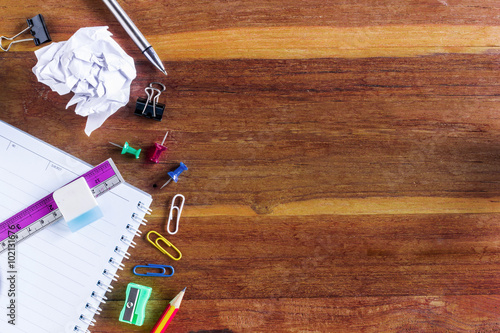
(153,96)
(15,41)
(38,30)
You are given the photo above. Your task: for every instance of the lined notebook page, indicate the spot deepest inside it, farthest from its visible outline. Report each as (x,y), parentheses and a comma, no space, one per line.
(57,270)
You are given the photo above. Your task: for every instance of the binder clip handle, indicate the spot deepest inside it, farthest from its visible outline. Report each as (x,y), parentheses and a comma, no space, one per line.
(38,31)
(149,107)
(154,266)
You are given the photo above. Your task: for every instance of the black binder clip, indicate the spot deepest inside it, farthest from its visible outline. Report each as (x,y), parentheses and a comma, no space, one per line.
(150,108)
(38,30)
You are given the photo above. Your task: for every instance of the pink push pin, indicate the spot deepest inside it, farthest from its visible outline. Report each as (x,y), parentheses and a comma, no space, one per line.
(157,150)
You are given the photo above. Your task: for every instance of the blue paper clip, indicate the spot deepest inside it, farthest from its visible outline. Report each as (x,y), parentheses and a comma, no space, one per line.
(162,267)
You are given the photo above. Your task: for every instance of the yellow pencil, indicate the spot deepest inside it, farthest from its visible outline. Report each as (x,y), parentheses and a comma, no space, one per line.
(169,313)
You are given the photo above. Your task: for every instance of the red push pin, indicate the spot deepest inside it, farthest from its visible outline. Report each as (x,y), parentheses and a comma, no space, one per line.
(157,150)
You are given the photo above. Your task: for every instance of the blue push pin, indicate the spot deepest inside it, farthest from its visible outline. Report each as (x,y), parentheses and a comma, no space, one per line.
(175,174)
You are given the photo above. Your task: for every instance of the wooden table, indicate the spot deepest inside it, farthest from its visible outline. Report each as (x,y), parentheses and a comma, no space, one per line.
(343,158)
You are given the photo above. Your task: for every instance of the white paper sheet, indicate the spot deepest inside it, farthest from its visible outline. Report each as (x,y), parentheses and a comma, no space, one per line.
(57,270)
(92,66)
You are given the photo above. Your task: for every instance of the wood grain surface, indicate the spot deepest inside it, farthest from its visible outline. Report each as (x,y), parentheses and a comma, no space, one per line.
(343,158)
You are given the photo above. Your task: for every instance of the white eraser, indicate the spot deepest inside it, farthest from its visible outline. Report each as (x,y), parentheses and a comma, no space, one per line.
(77,204)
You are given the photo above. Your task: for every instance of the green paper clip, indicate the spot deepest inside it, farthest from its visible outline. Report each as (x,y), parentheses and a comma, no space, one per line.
(134,309)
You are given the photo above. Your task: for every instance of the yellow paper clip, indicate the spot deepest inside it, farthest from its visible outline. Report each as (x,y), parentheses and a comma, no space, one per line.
(158,246)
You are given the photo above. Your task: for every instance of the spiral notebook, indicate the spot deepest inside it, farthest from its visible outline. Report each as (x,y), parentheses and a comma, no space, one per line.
(62,277)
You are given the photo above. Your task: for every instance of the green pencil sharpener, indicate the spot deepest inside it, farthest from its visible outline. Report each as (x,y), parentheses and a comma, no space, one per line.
(134,309)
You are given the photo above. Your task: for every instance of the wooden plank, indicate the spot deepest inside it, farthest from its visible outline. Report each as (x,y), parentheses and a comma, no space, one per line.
(356,314)
(343,161)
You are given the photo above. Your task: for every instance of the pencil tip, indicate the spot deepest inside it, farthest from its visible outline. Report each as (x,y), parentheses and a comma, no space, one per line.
(184,289)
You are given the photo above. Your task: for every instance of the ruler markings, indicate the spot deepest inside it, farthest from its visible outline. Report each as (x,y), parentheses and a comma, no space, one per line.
(44,212)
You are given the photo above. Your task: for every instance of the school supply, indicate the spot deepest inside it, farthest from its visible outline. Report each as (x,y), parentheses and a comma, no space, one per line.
(163,272)
(174,175)
(149,107)
(157,150)
(46,211)
(126,149)
(156,244)
(134,309)
(92,66)
(173,208)
(77,204)
(169,313)
(135,34)
(38,30)
(62,277)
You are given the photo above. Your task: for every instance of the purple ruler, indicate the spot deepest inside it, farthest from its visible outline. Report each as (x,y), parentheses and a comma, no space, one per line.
(44,212)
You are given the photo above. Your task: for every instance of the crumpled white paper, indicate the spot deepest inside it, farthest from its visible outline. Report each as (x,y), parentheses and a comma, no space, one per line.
(93,66)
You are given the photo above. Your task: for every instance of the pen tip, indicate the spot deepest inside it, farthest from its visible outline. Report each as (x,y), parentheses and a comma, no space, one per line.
(184,289)
(164,72)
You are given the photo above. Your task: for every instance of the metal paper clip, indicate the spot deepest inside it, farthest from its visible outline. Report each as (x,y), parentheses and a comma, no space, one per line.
(164,240)
(171,214)
(38,30)
(150,106)
(162,267)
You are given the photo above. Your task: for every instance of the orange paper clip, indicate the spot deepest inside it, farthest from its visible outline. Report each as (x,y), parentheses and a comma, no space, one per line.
(159,247)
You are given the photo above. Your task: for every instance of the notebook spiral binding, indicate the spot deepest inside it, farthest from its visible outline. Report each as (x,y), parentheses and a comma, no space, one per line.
(106,287)
(79,329)
(88,321)
(122,253)
(98,296)
(97,310)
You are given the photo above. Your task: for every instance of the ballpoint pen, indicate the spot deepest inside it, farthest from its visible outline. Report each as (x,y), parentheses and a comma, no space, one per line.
(135,34)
